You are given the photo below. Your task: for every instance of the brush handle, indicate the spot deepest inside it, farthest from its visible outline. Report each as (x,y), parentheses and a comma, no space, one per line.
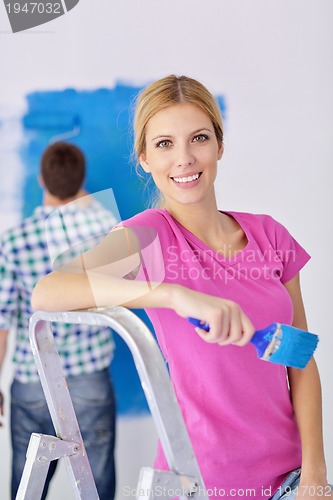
(200,324)
(260,339)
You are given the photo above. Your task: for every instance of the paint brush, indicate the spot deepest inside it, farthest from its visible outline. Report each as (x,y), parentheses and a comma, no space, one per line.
(278,343)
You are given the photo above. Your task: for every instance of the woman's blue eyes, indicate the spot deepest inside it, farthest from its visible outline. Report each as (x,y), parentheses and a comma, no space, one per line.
(197,138)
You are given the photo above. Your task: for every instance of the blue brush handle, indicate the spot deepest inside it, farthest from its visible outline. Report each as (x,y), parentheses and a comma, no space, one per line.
(260,339)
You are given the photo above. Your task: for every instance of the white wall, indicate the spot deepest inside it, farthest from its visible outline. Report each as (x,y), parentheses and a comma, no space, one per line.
(272,61)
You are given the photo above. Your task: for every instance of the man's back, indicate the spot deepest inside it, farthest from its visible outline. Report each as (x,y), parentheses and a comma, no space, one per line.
(68,223)
(30,251)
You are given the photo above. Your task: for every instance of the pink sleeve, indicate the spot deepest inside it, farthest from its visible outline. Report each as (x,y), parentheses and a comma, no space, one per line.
(150,256)
(290,252)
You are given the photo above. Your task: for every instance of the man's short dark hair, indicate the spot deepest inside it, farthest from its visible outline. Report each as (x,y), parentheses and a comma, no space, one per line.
(63,169)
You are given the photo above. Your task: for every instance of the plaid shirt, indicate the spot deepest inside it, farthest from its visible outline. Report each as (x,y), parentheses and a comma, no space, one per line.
(30,251)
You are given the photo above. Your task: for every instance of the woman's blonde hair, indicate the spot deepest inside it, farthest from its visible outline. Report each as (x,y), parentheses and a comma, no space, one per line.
(165,92)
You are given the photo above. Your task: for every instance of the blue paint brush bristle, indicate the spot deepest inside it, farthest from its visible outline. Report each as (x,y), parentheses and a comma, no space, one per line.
(291,346)
(281,344)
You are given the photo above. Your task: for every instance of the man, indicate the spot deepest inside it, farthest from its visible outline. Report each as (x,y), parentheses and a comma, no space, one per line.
(66,220)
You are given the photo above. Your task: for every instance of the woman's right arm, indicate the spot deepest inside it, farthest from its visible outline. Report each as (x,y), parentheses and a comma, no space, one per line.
(101,278)
(65,291)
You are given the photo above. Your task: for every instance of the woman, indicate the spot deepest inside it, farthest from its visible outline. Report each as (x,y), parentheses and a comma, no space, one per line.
(236,271)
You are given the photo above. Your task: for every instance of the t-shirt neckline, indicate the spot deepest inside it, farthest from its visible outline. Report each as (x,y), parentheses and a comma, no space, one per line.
(220,256)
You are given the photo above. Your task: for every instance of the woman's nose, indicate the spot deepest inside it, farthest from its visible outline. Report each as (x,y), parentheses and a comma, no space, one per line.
(184,157)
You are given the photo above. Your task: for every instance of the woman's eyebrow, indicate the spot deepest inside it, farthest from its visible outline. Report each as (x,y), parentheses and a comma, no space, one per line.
(167,136)
(201,130)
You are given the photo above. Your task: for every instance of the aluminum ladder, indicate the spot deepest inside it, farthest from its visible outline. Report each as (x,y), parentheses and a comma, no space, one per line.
(184,477)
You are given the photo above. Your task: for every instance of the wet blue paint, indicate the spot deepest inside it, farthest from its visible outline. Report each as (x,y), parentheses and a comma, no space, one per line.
(102,120)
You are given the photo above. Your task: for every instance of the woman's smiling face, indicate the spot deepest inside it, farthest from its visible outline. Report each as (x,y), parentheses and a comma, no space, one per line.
(182,153)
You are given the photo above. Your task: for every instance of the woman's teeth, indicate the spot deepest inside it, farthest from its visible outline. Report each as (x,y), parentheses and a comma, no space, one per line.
(186,179)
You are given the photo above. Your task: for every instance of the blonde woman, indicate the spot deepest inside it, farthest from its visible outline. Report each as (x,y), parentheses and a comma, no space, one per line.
(237,271)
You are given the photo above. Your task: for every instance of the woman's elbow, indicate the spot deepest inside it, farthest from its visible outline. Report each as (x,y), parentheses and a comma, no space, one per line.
(39,297)
(48,293)
(62,292)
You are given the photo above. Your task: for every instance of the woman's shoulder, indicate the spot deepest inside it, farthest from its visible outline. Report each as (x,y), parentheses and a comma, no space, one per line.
(152,222)
(265,225)
(255,220)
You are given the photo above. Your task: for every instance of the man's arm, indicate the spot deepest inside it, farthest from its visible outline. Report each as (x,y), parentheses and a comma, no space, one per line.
(3,349)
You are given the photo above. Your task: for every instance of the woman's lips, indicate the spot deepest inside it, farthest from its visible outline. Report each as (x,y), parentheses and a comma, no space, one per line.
(187,181)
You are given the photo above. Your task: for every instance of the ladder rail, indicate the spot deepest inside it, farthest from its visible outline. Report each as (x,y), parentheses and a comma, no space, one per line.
(151,369)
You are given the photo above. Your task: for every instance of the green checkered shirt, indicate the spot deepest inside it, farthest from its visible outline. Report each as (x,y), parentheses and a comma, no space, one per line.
(30,251)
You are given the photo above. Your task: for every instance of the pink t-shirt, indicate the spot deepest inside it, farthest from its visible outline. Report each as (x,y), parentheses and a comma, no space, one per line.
(236,407)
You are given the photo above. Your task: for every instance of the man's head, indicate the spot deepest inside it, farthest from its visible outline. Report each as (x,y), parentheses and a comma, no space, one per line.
(62,170)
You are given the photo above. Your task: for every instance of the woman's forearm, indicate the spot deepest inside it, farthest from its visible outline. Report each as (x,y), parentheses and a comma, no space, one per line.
(306,397)
(60,291)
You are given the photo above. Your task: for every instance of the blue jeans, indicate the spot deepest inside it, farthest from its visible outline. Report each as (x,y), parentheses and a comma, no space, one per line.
(286,492)
(290,483)
(94,404)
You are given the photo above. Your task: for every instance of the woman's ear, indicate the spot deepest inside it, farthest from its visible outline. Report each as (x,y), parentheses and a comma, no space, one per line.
(144,163)
(220,151)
